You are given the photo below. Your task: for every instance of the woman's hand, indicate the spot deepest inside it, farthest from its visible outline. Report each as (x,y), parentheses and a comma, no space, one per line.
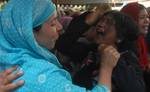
(109,56)
(6,79)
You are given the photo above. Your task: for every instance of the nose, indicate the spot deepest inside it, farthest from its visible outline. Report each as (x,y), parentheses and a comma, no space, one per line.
(101,27)
(58,26)
(147,21)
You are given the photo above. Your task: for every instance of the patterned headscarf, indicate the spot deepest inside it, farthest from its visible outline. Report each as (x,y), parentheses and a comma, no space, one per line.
(17,41)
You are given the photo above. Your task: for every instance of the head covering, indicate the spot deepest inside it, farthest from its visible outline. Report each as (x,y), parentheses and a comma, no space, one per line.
(65,21)
(18,19)
(17,43)
(133,10)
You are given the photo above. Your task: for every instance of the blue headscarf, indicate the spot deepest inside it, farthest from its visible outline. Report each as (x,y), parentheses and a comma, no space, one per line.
(17,41)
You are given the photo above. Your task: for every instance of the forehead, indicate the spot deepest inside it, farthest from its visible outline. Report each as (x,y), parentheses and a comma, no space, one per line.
(143,12)
(107,19)
(107,22)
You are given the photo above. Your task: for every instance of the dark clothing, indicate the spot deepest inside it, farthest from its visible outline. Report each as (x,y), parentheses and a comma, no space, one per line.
(147,80)
(147,73)
(128,76)
(68,43)
(85,77)
(148,39)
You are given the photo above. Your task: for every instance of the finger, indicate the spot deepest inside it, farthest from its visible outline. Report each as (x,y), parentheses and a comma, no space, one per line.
(10,70)
(12,77)
(117,55)
(112,48)
(102,47)
(14,86)
(109,49)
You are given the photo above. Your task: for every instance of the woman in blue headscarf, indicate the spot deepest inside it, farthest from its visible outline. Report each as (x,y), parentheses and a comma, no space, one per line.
(28,32)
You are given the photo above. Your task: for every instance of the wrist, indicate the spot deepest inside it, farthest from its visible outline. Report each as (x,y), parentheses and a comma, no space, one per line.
(106,69)
(105,75)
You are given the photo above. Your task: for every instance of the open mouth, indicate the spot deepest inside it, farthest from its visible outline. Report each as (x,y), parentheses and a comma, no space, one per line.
(100,33)
(145,28)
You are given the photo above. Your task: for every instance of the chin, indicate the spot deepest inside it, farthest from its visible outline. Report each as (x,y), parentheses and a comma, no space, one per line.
(144,32)
(52,46)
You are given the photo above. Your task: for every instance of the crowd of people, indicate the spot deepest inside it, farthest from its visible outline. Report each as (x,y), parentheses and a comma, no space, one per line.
(101,50)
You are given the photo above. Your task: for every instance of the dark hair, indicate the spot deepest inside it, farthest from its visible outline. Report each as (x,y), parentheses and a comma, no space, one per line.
(127,30)
(141,7)
(37,28)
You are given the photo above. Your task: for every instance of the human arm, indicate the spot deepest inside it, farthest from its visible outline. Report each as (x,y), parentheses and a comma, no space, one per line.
(109,59)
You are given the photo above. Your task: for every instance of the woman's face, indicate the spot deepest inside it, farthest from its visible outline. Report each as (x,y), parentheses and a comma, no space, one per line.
(106,31)
(143,21)
(49,32)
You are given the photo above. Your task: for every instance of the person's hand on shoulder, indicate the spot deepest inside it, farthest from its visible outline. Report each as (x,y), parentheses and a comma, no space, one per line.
(6,79)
